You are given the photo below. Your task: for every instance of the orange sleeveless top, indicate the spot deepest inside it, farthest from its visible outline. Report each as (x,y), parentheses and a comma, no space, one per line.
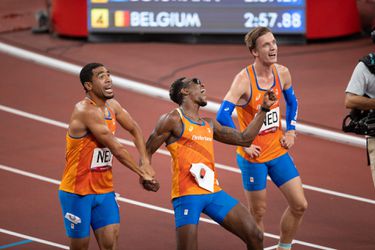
(88,167)
(270,134)
(194,146)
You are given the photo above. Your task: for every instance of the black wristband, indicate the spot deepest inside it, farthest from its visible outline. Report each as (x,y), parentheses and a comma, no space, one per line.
(264,109)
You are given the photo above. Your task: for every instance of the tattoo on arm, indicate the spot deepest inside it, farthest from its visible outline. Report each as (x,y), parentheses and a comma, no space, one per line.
(228,135)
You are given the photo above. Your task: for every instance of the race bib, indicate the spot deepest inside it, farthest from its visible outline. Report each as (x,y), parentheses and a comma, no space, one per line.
(203,175)
(101,159)
(271,122)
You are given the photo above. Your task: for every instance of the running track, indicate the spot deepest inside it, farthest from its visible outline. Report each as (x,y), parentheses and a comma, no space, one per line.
(36,102)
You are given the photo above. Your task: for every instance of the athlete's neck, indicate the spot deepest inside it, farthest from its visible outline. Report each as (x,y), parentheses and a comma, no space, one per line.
(96,101)
(263,70)
(264,75)
(191,113)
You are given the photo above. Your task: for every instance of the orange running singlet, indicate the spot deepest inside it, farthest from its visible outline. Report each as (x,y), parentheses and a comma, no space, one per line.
(270,134)
(194,146)
(88,167)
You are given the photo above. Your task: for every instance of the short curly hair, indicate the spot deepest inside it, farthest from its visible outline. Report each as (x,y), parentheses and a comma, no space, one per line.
(175,90)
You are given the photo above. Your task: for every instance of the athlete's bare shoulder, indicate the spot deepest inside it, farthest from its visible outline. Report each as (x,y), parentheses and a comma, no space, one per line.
(79,118)
(239,90)
(281,68)
(115,105)
(113,102)
(285,77)
(84,107)
(172,117)
(168,128)
(241,76)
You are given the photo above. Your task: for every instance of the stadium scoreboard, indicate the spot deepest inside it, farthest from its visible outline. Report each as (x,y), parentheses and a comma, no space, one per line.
(196,16)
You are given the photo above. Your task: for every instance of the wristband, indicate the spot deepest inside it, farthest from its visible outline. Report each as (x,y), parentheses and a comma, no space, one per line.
(264,109)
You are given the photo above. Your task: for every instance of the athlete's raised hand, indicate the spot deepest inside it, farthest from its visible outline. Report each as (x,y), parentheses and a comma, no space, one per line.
(269,99)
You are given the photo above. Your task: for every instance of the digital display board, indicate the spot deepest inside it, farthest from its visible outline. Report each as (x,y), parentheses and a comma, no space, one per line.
(196,16)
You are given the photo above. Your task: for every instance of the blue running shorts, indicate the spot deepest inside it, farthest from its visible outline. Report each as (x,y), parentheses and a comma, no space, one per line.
(82,211)
(254,175)
(187,209)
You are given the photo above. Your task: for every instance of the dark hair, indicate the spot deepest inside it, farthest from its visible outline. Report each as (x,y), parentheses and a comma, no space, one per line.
(86,72)
(175,90)
(253,35)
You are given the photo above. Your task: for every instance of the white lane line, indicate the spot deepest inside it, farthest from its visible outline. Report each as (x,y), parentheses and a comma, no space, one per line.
(24,236)
(142,204)
(307,187)
(163,94)
(271,247)
(165,152)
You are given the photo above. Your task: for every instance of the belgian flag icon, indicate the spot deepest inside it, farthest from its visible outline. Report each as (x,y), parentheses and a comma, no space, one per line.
(122,18)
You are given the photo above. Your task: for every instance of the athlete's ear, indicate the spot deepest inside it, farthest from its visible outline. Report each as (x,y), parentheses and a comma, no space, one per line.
(254,52)
(185,91)
(88,86)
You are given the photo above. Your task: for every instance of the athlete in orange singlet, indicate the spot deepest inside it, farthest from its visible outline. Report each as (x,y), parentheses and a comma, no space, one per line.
(195,187)
(268,155)
(86,191)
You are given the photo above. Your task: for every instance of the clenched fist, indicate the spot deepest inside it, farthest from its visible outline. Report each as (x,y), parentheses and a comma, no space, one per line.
(150,185)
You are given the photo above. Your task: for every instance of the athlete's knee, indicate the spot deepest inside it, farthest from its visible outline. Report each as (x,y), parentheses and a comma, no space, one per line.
(108,244)
(79,243)
(254,240)
(299,208)
(258,210)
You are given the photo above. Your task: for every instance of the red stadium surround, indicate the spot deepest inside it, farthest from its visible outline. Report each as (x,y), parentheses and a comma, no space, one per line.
(69,17)
(333,18)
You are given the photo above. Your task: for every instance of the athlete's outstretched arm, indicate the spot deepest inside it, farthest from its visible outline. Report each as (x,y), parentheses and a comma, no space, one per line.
(232,136)
(128,123)
(93,120)
(238,94)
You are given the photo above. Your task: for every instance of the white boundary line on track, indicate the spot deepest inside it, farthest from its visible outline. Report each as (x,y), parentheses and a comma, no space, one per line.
(34,239)
(164,152)
(145,205)
(160,93)
(271,247)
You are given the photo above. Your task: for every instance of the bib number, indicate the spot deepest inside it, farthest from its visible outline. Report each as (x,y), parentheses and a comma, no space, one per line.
(101,159)
(203,175)
(271,122)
